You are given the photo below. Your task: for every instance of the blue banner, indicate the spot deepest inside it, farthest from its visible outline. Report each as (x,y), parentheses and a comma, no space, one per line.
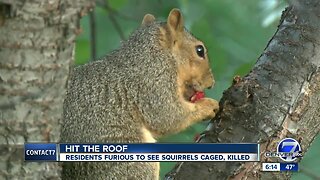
(289,167)
(159,148)
(40,152)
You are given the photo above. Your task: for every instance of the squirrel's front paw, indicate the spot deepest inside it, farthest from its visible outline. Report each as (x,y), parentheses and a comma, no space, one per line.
(207,107)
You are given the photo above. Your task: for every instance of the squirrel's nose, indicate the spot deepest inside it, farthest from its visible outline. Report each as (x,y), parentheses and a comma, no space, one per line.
(211,84)
(208,80)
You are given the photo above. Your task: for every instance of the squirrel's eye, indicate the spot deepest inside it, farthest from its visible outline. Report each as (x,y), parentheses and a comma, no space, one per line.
(200,51)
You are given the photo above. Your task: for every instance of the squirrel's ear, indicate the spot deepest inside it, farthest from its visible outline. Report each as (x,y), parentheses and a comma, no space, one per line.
(148,19)
(175,20)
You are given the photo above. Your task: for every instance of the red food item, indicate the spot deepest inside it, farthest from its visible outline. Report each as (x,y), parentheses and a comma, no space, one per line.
(196,96)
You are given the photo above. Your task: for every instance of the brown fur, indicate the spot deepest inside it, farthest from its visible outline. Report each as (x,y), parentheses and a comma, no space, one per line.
(137,93)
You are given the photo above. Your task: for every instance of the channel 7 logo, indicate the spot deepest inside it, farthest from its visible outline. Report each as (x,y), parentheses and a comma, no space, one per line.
(288,150)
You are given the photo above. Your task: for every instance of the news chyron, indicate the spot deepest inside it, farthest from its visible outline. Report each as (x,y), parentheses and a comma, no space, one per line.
(285,157)
(143,152)
(288,152)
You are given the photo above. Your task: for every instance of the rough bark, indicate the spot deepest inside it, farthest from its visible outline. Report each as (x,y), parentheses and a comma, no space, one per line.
(279,98)
(36,50)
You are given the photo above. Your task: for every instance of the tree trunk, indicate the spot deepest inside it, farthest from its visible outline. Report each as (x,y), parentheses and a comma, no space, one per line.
(279,98)
(36,49)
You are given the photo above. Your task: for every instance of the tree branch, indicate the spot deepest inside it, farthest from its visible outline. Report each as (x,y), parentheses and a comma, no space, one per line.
(279,98)
(93,34)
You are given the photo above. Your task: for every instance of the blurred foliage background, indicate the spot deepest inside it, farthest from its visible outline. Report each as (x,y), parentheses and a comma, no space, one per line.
(234,32)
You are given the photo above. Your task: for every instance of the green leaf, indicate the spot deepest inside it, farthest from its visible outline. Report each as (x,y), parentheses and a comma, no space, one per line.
(82,51)
(117,4)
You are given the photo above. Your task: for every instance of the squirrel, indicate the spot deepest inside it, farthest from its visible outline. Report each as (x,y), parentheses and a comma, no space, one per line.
(149,87)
